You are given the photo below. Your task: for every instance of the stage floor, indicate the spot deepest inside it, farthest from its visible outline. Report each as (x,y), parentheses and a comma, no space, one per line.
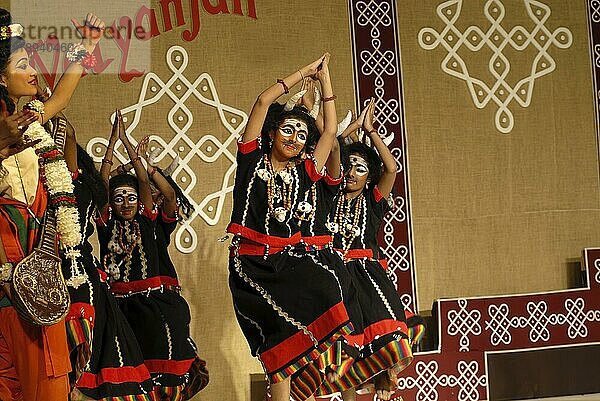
(585,397)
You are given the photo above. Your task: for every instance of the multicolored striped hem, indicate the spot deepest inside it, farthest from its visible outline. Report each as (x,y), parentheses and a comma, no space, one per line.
(335,359)
(311,355)
(79,331)
(416,333)
(80,337)
(395,355)
(138,397)
(169,393)
(307,380)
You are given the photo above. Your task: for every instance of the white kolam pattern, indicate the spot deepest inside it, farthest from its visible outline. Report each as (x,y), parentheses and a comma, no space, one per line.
(498,40)
(186,140)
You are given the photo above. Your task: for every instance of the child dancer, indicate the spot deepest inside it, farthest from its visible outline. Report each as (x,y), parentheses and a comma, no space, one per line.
(355,222)
(151,302)
(290,307)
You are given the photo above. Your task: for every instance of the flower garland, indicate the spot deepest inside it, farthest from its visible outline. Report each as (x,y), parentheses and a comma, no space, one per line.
(58,182)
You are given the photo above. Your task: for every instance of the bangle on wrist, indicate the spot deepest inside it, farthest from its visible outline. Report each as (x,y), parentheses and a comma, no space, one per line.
(105,160)
(373,131)
(301,74)
(79,54)
(152,172)
(135,159)
(329,99)
(286,90)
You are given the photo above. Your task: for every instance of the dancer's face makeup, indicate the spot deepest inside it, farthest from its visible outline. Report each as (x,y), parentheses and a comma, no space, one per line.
(358,173)
(290,137)
(20,79)
(124,201)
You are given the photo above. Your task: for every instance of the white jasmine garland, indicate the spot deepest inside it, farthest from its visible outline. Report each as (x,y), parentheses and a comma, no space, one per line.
(58,182)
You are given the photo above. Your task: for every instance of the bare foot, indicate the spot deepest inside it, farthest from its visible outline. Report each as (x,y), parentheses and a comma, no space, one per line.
(384,386)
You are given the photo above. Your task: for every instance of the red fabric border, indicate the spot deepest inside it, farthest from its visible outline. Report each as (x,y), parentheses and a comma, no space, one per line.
(263,239)
(166,218)
(125,374)
(143,285)
(333,181)
(81,310)
(357,254)
(293,347)
(377,193)
(247,147)
(382,328)
(311,169)
(178,368)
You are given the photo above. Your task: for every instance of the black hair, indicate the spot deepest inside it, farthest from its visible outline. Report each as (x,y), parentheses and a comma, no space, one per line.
(367,153)
(275,116)
(123,180)
(92,178)
(185,205)
(7,48)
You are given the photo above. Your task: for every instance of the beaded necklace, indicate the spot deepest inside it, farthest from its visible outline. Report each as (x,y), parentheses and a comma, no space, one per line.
(277,191)
(123,243)
(346,219)
(306,210)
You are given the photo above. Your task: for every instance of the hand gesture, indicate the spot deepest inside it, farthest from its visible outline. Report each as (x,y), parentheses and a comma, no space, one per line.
(91,31)
(17,148)
(114,134)
(312,69)
(13,126)
(369,119)
(323,69)
(308,99)
(142,148)
(122,133)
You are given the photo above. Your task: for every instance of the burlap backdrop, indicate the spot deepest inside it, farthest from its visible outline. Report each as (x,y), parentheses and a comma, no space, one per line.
(492,213)
(242,56)
(499,213)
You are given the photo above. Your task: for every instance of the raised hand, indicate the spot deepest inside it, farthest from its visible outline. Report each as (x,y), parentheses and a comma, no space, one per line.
(91,31)
(323,69)
(308,99)
(114,133)
(311,69)
(142,148)
(121,128)
(369,118)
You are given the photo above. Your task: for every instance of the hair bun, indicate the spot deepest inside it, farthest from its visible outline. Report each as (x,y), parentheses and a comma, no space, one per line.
(5,18)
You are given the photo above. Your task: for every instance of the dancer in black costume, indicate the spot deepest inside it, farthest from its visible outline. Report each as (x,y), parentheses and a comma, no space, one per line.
(354,222)
(107,360)
(288,303)
(151,302)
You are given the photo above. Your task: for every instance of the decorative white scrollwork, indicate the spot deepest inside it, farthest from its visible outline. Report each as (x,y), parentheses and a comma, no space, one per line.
(500,42)
(191,143)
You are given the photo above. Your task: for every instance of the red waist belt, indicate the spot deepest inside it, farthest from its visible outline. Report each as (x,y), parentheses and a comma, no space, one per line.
(353,254)
(149,284)
(249,247)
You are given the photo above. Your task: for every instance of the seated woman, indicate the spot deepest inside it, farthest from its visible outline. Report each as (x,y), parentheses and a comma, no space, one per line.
(158,315)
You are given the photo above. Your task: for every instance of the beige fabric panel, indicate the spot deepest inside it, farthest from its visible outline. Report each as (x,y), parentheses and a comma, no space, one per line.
(242,56)
(498,213)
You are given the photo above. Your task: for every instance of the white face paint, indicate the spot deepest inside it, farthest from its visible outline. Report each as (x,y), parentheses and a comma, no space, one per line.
(291,127)
(362,167)
(120,194)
